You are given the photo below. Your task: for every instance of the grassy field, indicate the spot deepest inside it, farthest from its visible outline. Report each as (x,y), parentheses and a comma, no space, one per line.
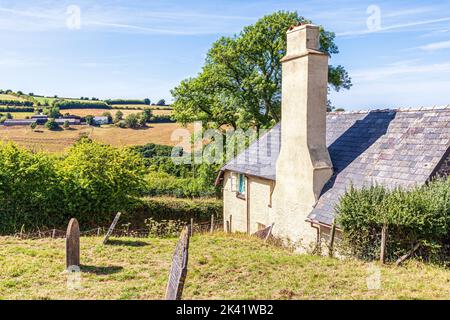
(220,267)
(56,141)
(21,115)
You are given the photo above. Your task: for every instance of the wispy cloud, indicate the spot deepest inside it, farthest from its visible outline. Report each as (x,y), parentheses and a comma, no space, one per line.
(402,68)
(394,27)
(436,46)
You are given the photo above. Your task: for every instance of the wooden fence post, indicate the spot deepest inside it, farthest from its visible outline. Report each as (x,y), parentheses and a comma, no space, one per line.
(192,226)
(228,226)
(383,243)
(53,234)
(231,225)
(212,224)
(333,233)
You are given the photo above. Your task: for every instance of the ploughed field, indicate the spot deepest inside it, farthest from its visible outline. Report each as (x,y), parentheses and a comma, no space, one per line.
(220,267)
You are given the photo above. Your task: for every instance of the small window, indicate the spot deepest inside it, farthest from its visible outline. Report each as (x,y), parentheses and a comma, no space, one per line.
(241,189)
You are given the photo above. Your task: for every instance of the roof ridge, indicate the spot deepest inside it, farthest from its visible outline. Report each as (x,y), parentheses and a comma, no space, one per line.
(401,109)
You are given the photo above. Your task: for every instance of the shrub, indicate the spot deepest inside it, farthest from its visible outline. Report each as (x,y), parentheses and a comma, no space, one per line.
(97,180)
(66,124)
(118,117)
(89,120)
(420,215)
(51,124)
(132,121)
(33,125)
(27,190)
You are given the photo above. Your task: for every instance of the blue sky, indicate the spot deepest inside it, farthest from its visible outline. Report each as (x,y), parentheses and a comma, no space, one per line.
(137,49)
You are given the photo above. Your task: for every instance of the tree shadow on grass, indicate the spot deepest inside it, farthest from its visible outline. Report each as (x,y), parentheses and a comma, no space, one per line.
(128,243)
(101,270)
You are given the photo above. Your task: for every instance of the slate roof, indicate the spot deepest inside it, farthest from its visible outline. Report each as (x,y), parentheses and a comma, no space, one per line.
(386,147)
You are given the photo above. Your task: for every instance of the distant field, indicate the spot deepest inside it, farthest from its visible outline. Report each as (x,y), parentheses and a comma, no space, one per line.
(99,112)
(56,141)
(11,97)
(20,115)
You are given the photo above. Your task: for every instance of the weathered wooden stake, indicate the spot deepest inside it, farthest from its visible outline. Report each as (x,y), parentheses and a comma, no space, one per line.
(383,243)
(73,244)
(192,227)
(333,233)
(98,231)
(53,234)
(228,226)
(111,228)
(212,224)
(231,226)
(406,256)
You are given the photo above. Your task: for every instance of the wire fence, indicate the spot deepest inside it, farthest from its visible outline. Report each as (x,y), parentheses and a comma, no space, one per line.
(126,232)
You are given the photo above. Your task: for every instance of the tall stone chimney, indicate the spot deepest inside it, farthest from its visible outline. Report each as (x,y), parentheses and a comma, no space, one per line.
(304,164)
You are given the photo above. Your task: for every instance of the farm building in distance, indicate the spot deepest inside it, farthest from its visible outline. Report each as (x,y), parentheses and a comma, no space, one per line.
(294,175)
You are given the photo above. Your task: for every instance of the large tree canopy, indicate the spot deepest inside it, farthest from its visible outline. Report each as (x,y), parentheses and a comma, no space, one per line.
(240,83)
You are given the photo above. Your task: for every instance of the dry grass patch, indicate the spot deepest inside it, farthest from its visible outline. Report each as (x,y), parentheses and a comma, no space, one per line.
(220,267)
(99,112)
(42,139)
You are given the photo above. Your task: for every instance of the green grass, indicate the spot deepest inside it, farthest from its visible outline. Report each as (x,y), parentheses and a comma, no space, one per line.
(220,267)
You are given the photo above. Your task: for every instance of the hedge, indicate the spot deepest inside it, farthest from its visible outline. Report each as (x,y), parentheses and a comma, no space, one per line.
(126,101)
(16,103)
(68,104)
(91,183)
(417,216)
(168,208)
(12,109)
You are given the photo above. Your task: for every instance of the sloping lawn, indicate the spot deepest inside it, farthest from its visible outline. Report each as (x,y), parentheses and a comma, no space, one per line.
(220,267)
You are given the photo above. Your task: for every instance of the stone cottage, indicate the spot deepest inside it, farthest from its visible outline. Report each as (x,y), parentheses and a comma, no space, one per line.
(294,175)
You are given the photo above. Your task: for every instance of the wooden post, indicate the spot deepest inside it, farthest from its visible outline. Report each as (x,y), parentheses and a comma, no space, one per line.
(212,224)
(53,234)
(231,226)
(73,244)
(98,231)
(383,243)
(228,226)
(192,226)
(111,228)
(333,233)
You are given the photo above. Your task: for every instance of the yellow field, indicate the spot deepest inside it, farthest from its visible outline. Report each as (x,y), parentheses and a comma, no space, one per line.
(11,97)
(20,115)
(56,141)
(99,112)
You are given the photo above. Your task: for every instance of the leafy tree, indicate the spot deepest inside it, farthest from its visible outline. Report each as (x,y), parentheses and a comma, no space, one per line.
(161,102)
(147,101)
(240,83)
(52,112)
(118,117)
(52,125)
(132,121)
(89,120)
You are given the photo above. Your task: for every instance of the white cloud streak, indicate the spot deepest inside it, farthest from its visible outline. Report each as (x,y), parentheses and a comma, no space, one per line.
(436,46)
